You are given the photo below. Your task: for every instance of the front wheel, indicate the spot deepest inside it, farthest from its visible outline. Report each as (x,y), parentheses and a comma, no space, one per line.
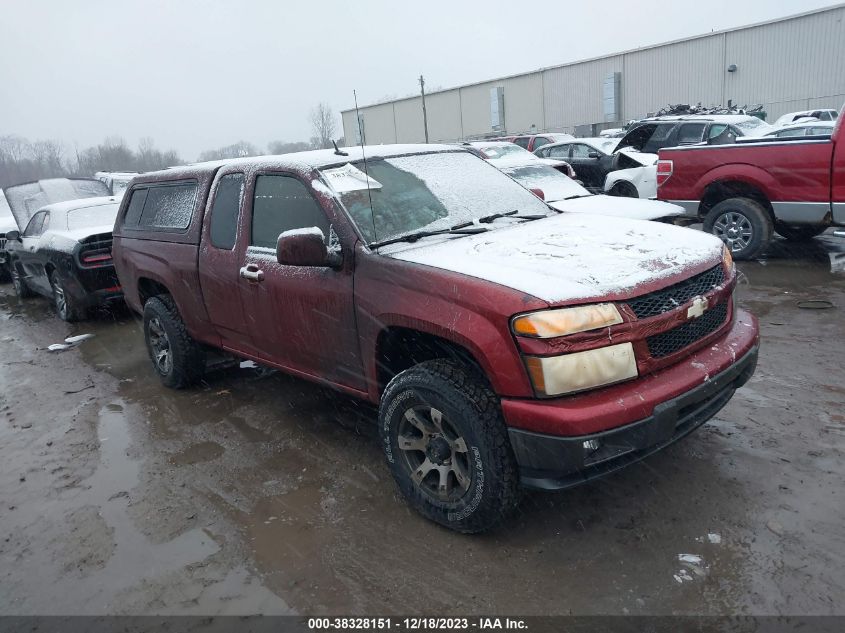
(178,359)
(447,446)
(742,224)
(798,233)
(19,283)
(624,189)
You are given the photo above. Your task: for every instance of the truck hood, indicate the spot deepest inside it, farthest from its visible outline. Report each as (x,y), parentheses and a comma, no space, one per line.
(570,257)
(618,207)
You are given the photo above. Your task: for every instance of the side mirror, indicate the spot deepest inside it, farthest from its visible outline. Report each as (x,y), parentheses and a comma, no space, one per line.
(592,154)
(539,193)
(305,247)
(13,236)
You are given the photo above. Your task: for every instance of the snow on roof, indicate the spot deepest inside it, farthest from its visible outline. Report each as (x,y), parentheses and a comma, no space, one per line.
(312,159)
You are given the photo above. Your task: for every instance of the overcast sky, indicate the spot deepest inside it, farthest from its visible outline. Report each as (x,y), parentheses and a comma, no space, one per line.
(196,74)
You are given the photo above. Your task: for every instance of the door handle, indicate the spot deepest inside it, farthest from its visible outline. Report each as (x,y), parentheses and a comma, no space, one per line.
(252,273)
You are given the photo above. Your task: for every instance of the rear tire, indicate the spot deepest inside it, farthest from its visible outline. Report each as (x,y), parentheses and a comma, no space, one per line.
(798,233)
(178,359)
(742,224)
(19,283)
(67,307)
(624,189)
(447,446)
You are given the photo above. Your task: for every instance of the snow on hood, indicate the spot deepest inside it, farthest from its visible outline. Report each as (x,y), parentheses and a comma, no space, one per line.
(643,158)
(570,257)
(614,206)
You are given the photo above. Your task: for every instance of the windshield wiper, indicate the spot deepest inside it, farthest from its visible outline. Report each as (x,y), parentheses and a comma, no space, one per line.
(578,195)
(487,219)
(460,229)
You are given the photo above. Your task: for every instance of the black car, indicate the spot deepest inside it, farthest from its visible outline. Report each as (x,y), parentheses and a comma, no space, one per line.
(591,158)
(64,253)
(650,135)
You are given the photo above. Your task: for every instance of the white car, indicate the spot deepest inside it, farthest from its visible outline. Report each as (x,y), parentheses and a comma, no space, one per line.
(807,128)
(564,194)
(501,153)
(819,115)
(7,223)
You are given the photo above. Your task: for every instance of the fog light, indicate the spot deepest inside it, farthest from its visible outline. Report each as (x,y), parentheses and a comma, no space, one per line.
(590,447)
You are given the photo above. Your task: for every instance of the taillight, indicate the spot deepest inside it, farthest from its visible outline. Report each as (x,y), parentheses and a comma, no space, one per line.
(664,171)
(97,257)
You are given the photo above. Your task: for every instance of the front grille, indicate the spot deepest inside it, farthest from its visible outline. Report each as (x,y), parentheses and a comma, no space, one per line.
(670,298)
(678,338)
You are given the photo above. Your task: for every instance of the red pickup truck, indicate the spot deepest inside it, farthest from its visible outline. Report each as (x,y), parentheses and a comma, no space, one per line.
(505,342)
(744,192)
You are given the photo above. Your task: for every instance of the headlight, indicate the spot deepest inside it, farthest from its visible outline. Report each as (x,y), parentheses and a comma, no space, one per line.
(556,375)
(551,323)
(727,259)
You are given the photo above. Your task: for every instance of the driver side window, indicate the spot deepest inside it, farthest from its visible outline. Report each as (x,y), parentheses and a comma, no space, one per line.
(36,225)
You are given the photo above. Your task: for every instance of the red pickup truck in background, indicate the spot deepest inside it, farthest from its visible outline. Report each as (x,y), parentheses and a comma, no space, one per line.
(744,192)
(504,342)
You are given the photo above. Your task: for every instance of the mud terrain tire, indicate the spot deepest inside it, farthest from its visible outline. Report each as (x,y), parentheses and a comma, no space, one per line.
(178,359)
(465,435)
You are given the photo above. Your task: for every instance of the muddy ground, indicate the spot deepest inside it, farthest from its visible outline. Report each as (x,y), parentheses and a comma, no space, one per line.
(259,493)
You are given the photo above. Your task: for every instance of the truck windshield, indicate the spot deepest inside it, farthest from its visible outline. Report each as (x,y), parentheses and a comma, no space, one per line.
(426,192)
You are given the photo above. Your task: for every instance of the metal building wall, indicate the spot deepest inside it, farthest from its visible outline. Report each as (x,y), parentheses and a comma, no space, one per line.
(787,65)
(572,94)
(790,65)
(683,72)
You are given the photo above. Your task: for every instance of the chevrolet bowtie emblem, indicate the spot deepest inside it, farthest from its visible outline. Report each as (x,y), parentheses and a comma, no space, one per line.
(698,307)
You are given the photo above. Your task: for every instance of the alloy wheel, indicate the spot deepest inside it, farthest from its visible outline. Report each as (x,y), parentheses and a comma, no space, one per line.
(734,229)
(160,346)
(59,299)
(435,453)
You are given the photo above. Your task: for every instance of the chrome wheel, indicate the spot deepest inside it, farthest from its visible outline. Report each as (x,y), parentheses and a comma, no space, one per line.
(734,229)
(17,282)
(435,453)
(60,299)
(160,347)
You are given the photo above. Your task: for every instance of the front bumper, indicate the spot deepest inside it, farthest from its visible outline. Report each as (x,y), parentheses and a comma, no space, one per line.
(551,462)
(631,420)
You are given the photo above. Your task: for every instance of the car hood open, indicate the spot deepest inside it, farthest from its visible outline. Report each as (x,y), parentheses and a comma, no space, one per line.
(570,257)
(24,200)
(619,207)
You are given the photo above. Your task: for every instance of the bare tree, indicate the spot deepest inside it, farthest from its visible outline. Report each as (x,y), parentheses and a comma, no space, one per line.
(322,125)
(49,158)
(283,147)
(235,150)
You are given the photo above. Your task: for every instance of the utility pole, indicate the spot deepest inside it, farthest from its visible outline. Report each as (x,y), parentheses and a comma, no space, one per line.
(425,116)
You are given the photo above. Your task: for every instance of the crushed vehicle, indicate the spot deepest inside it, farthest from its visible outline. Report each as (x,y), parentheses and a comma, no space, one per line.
(644,138)
(504,342)
(747,191)
(565,194)
(505,153)
(64,253)
(591,158)
(818,115)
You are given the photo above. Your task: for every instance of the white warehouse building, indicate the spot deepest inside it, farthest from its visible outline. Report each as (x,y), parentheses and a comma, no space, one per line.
(789,64)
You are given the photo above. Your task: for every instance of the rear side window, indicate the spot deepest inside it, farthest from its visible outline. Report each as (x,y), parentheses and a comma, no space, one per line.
(522,141)
(224,212)
(162,207)
(283,203)
(540,141)
(691,133)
